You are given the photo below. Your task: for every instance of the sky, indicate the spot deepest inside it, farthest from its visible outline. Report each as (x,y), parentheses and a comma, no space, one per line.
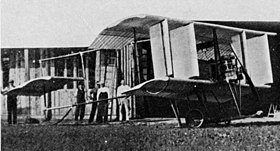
(70,23)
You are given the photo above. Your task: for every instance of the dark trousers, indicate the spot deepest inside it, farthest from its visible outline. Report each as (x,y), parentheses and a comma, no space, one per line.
(80,111)
(102,112)
(92,113)
(12,111)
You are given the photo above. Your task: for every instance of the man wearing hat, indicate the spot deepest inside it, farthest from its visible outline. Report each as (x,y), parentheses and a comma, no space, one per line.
(102,112)
(80,109)
(123,101)
(11,103)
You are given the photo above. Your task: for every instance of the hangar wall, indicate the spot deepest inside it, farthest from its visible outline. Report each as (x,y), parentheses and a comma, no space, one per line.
(15,67)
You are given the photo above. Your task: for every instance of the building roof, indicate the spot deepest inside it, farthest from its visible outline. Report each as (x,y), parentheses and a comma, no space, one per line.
(122,32)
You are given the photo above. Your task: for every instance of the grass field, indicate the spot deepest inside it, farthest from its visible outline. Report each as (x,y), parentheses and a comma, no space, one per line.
(140,137)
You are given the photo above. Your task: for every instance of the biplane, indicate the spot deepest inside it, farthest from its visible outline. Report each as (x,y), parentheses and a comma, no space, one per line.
(212,68)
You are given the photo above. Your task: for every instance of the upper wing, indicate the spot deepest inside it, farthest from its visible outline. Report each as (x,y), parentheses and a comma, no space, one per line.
(39,86)
(186,37)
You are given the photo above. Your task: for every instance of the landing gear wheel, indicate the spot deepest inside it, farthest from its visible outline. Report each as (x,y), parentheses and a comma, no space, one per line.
(194,118)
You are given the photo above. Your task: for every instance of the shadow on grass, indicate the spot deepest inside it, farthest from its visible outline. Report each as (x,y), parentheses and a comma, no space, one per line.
(259,124)
(131,122)
(146,122)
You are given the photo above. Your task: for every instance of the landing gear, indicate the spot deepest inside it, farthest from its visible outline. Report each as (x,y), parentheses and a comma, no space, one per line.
(194,118)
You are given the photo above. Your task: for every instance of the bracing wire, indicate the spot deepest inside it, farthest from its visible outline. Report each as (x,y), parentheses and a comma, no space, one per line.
(163,88)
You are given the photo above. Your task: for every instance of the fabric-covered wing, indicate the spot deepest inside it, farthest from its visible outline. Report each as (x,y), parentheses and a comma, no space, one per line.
(39,86)
(168,87)
(186,38)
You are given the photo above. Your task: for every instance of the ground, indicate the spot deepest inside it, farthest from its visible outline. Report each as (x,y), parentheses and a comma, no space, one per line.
(146,134)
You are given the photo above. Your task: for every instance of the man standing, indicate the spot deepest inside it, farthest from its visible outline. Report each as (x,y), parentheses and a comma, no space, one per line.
(93,97)
(11,103)
(80,109)
(102,106)
(123,101)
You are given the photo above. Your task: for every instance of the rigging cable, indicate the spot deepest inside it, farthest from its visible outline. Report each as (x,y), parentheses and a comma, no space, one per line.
(163,88)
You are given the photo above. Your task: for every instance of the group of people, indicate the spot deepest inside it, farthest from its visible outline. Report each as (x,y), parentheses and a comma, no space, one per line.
(99,110)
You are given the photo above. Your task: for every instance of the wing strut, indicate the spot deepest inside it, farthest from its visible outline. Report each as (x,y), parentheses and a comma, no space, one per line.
(45,102)
(176,111)
(216,54)
(248,79)
(234,98)
(84,75)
